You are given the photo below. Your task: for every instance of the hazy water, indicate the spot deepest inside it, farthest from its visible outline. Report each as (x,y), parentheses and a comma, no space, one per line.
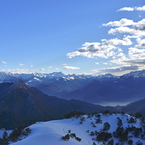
(120,103)
(105,103)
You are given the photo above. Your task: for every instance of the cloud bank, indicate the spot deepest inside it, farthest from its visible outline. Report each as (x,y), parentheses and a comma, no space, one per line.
(4,62)
(127,51)
(132,8)
(70,67)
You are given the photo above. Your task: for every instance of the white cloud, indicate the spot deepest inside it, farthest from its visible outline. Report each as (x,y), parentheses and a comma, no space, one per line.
(138,62)
(31,66)
(97,63)
(132,8)
(141,43)
(126,9)
(22,64)
(106,49)
(133,50)
(132,31)
(90,50)
(116,41)
(105,63)
(138,29)
(56,68)
(135,53)
(121,30)
(131,34)
(140,8)
(120,59)
(4,62)
(119,70)
(122,22)
(71,67)
(90,47)
(135,57)
(50,67)
(19,71)
(140,25)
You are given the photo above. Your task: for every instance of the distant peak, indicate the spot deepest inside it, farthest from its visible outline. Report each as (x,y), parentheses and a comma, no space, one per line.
(106,75)
(19,83)
(56,74)
(136,74)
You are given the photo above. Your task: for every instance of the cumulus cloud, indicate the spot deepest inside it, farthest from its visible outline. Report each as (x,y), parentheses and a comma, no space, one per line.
(116,41)
(4,62)
(105,49)
(22,64)
(126,9)
(140,8)
(71,67)
(140,25)
(132,8)
(90,47)
(92,50)
(136,53)
(121,30)
(138,29)
(130,34)
(135,57)
(120,59)
(105,63)
(97,63)
(133,50)
(122,22)
(141,43)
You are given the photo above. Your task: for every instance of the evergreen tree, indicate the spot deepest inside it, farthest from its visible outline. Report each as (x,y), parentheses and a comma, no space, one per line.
(106,126)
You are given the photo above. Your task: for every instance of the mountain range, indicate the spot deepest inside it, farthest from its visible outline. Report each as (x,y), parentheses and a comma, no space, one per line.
(21,102)
(92,89)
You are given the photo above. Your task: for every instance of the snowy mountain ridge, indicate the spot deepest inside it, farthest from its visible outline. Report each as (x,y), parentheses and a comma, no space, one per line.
(136,74)
(8,75)
(70,86)
(93,129)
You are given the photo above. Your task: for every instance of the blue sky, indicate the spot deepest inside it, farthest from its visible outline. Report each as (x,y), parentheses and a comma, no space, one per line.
(75,36)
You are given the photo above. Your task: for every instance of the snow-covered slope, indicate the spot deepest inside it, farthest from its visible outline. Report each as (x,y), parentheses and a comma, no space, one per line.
(87,130)
(136,74)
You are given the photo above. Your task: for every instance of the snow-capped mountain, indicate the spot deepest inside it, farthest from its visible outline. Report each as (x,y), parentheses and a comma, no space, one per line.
(135,74)
(106,77)
(7,76)
(40,76)
(93,89)
(64,83)
(93,129)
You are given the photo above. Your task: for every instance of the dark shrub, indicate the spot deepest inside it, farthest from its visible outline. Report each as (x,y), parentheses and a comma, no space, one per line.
(78,139)
(106,126)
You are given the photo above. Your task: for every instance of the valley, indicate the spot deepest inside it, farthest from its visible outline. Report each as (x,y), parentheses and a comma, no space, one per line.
(24,101)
